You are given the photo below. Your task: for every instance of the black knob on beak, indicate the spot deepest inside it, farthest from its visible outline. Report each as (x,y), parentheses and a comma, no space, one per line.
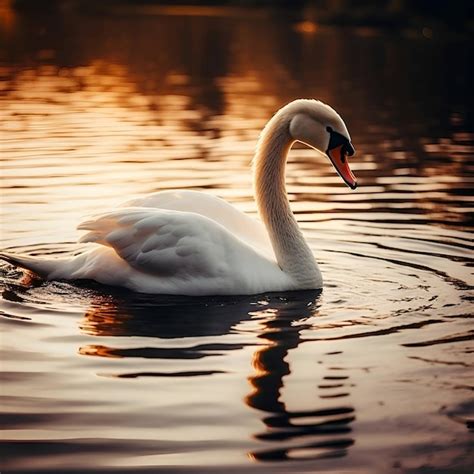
(350,149)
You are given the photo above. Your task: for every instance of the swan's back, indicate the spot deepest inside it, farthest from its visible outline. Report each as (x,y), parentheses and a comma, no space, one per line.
(248,229)
(175,252)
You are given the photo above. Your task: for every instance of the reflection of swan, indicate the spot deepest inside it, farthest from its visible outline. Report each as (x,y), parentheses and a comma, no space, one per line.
(168,317)
(189,243)
(305,434)
(172,317)
(320,432)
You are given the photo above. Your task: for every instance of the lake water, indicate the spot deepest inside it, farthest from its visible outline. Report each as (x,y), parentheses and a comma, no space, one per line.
(374,374)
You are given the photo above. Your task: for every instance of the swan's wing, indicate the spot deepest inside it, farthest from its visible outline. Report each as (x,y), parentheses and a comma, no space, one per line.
(176,245)
(238,223)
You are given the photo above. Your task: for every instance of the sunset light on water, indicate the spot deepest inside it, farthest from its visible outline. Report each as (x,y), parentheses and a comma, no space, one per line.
(371,374)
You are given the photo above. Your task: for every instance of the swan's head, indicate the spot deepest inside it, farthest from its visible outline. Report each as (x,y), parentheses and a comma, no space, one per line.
(319,126)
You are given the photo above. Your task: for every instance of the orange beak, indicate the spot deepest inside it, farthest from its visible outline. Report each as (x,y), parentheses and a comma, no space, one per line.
(339,159)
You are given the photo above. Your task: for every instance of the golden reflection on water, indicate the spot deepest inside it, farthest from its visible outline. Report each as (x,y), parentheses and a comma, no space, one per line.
(79,133)
(94,110)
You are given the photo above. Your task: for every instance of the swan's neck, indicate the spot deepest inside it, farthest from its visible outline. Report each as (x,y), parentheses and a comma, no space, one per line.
(292,252)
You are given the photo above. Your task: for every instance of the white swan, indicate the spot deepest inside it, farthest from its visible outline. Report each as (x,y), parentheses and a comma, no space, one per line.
(191,243)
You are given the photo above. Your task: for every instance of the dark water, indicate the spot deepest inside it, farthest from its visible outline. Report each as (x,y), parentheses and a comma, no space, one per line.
(372,375)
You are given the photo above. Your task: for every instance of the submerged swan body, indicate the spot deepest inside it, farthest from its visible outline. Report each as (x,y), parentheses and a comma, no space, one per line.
(191,243)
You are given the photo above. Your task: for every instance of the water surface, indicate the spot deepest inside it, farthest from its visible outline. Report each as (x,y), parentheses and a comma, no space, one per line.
(374,374)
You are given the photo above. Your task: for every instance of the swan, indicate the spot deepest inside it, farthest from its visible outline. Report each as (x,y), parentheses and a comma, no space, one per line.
(190,243)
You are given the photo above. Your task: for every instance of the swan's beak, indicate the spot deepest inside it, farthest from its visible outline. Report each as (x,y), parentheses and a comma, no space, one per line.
(338,158)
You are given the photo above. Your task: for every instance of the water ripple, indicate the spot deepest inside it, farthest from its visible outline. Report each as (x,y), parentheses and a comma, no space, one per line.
(103,380)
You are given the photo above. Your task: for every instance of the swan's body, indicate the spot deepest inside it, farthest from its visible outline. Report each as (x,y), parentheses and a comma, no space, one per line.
(191,243)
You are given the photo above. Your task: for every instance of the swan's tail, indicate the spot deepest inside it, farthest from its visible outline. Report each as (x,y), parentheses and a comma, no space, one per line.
(43,267)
